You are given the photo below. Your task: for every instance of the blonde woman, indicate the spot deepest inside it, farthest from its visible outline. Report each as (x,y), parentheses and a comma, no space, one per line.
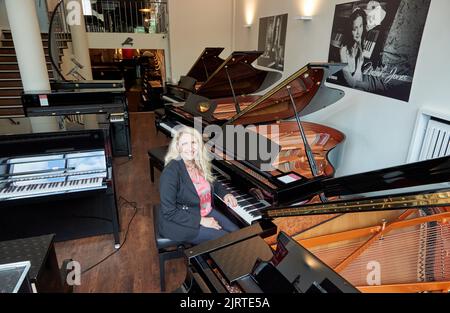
(187,187)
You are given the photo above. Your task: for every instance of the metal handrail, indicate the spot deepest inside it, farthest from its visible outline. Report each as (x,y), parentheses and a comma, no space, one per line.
(52,37)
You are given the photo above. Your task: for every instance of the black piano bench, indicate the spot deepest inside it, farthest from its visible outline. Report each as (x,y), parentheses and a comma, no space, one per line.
(156,159)
(167,249)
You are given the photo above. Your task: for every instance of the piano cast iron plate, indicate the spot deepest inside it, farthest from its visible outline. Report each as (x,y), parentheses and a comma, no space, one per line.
(239,259)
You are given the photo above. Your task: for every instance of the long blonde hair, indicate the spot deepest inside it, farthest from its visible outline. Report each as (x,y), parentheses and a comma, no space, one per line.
(202,162)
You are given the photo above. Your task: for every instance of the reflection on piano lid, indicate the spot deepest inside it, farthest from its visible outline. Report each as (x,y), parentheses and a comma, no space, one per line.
(37,165)
(242,262)
(235,75)
(414,185)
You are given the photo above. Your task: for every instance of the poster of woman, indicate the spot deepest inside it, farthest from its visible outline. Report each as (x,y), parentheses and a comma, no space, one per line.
(379,41)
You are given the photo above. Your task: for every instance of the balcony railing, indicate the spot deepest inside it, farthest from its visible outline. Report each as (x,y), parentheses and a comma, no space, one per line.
(126,16)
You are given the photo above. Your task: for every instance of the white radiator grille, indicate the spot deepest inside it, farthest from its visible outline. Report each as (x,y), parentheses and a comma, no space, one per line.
(436,142)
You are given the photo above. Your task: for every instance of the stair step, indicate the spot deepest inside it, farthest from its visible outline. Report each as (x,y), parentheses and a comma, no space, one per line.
(8,35)
(14,82)
(16,74)
(10,43)
(11,50)
(10,91)
(15,66)
(10,101)
(14,111)
(13,58)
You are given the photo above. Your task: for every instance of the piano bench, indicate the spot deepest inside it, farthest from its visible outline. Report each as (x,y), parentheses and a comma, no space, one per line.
(167,249)
(156,159)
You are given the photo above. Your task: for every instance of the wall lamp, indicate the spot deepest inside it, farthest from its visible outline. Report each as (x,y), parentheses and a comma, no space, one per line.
(304,18)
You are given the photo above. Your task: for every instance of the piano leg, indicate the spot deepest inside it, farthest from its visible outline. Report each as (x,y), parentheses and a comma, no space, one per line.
(115,220)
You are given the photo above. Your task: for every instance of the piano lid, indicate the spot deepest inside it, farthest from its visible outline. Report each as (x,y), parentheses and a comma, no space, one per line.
(308,90)
(57,85)
(418,177)
(206,64)
(245,78)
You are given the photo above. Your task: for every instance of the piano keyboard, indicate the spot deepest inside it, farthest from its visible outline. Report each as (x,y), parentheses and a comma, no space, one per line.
(116,118)
(169,126)
(34,190)
(248,207)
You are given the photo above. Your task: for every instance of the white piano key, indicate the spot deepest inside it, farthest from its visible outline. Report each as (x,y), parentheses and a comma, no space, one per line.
(34,190)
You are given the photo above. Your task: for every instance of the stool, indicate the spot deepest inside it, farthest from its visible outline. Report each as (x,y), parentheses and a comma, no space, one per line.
(167,249)
(156,159)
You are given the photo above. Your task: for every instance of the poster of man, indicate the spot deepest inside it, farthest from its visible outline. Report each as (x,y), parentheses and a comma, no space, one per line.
(271,40)
(379,41)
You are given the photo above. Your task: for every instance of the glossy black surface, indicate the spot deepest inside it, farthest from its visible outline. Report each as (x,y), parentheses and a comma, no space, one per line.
(206,64)
(417,175)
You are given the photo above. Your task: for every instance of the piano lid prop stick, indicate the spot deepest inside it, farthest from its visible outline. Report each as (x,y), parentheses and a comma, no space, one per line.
(205,68)
(236,103)
(308,151)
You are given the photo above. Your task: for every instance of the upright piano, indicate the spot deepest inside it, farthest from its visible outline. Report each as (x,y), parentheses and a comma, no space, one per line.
(86,97)
(243,261)
(56,176)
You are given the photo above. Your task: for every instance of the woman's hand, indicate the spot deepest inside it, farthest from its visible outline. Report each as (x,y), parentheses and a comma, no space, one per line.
(210,222)
(230,200)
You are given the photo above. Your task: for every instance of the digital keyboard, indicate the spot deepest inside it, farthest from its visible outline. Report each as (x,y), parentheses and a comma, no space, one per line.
(35,190)
(169,126)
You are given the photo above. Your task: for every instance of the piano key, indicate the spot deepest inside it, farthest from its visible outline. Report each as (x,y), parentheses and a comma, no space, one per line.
(248,206)
(49,188)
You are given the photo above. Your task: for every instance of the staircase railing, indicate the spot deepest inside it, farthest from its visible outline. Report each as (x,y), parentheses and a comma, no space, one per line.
(126,16)
(58,36)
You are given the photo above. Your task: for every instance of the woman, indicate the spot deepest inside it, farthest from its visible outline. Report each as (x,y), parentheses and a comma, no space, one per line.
(352,48)
(187,187)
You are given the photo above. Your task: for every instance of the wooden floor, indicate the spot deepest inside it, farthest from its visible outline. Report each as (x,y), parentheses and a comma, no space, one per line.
(135,267)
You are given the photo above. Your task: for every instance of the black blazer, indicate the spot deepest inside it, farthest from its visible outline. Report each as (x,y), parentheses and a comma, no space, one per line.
(179,217)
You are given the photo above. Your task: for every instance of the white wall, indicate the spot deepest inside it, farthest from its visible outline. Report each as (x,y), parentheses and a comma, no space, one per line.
(378,129)
(4,23)
(194,25)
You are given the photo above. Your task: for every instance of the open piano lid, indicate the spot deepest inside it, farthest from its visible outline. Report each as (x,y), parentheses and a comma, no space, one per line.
(279,150)
(308,90)
(245,78)
(206,64)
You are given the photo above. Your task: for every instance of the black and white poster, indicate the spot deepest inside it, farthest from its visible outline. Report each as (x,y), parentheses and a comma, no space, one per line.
(379,41)
(271,40)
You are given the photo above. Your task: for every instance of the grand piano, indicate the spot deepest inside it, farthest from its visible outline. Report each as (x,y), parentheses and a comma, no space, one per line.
(244,261)
(206,64)
(268,122)
(56,176)
(228,90)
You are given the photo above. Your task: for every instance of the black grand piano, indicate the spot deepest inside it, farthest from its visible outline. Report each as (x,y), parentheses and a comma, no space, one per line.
(242,261)
(56,176)
(206,64)
(268,122)
(228,90)
(107,98)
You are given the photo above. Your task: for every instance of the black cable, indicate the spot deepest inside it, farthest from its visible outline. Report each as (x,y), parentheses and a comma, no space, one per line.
(134,205)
